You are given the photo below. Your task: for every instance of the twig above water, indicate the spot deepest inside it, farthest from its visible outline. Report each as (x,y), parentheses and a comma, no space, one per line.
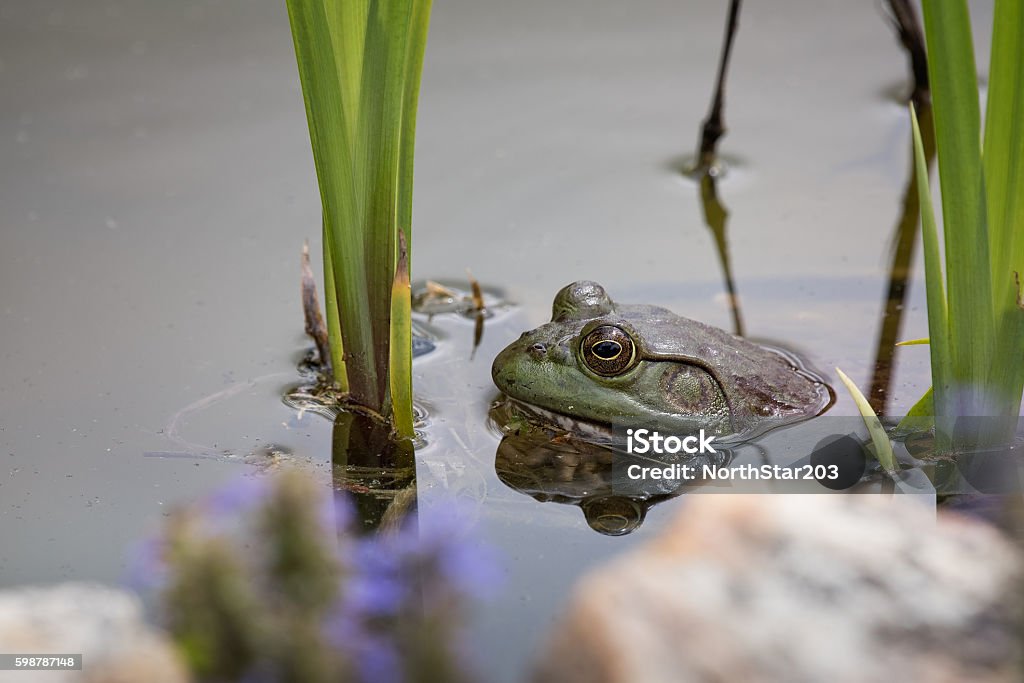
(713,126)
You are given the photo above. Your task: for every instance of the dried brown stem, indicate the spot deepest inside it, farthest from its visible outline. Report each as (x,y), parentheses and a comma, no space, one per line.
(315,326)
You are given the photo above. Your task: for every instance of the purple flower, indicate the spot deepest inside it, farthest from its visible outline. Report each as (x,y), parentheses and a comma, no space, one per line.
(377,584)
(341,626)
(377,660)
(258,674)
(398,592)
(239,496)
(374,655)
(468,567)
(373,596)
(335,512)
(147,566)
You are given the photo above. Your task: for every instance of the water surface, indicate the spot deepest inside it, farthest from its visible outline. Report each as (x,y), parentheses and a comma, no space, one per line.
(157,183)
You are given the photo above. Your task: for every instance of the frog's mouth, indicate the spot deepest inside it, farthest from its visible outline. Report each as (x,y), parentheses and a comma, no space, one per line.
(589,430)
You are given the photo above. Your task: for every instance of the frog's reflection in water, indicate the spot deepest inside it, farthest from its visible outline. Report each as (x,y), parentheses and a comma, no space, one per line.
(595,477)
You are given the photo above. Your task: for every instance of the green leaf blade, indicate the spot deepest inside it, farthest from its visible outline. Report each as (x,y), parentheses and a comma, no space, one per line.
(346,21)
(958,139)
(938,328)
(336,341)
(410,107)
(360,63)
(1003,163)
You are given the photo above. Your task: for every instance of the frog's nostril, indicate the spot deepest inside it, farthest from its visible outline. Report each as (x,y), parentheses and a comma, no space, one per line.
(538,349)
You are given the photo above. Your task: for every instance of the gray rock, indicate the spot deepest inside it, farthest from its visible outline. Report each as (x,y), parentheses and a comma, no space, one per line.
(103,624)
(797,588)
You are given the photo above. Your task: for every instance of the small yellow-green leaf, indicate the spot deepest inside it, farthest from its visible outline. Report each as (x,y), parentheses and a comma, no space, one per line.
(880,440)
(913,342)
(921,416)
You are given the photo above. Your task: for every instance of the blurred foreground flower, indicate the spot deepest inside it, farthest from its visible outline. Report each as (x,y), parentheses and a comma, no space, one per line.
(265,583)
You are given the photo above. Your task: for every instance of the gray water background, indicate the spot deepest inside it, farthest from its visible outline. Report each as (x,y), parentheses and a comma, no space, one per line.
(156,184)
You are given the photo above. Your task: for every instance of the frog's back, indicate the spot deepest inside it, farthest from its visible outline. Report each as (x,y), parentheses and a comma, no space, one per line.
(759,383)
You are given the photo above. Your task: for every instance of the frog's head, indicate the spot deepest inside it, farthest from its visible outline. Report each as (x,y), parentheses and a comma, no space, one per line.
(592,362)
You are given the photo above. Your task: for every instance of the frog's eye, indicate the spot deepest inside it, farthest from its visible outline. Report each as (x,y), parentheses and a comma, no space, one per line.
(608,351)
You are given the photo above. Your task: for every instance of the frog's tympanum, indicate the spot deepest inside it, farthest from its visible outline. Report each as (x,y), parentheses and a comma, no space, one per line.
(607,363)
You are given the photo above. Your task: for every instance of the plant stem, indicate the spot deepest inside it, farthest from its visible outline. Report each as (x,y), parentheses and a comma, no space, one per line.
(713,126)
(908,27)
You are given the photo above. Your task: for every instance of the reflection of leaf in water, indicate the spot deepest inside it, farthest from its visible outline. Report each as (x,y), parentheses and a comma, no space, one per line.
(902,246)
(432,298)
(716,217)
(478,332)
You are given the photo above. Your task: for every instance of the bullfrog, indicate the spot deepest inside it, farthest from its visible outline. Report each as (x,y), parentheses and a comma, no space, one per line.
(639,365)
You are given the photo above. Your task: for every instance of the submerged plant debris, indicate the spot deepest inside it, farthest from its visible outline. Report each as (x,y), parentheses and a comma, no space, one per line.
(318,394)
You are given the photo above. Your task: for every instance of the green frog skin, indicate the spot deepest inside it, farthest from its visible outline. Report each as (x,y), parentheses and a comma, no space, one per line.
(638,365)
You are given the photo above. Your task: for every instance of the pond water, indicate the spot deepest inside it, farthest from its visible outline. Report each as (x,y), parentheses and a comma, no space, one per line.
(157,184)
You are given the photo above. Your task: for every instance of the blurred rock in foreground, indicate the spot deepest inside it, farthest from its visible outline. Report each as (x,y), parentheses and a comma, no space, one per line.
(102,624)
(797,588)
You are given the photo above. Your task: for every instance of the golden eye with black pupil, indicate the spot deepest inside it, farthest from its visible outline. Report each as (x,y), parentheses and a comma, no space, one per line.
(607,351)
